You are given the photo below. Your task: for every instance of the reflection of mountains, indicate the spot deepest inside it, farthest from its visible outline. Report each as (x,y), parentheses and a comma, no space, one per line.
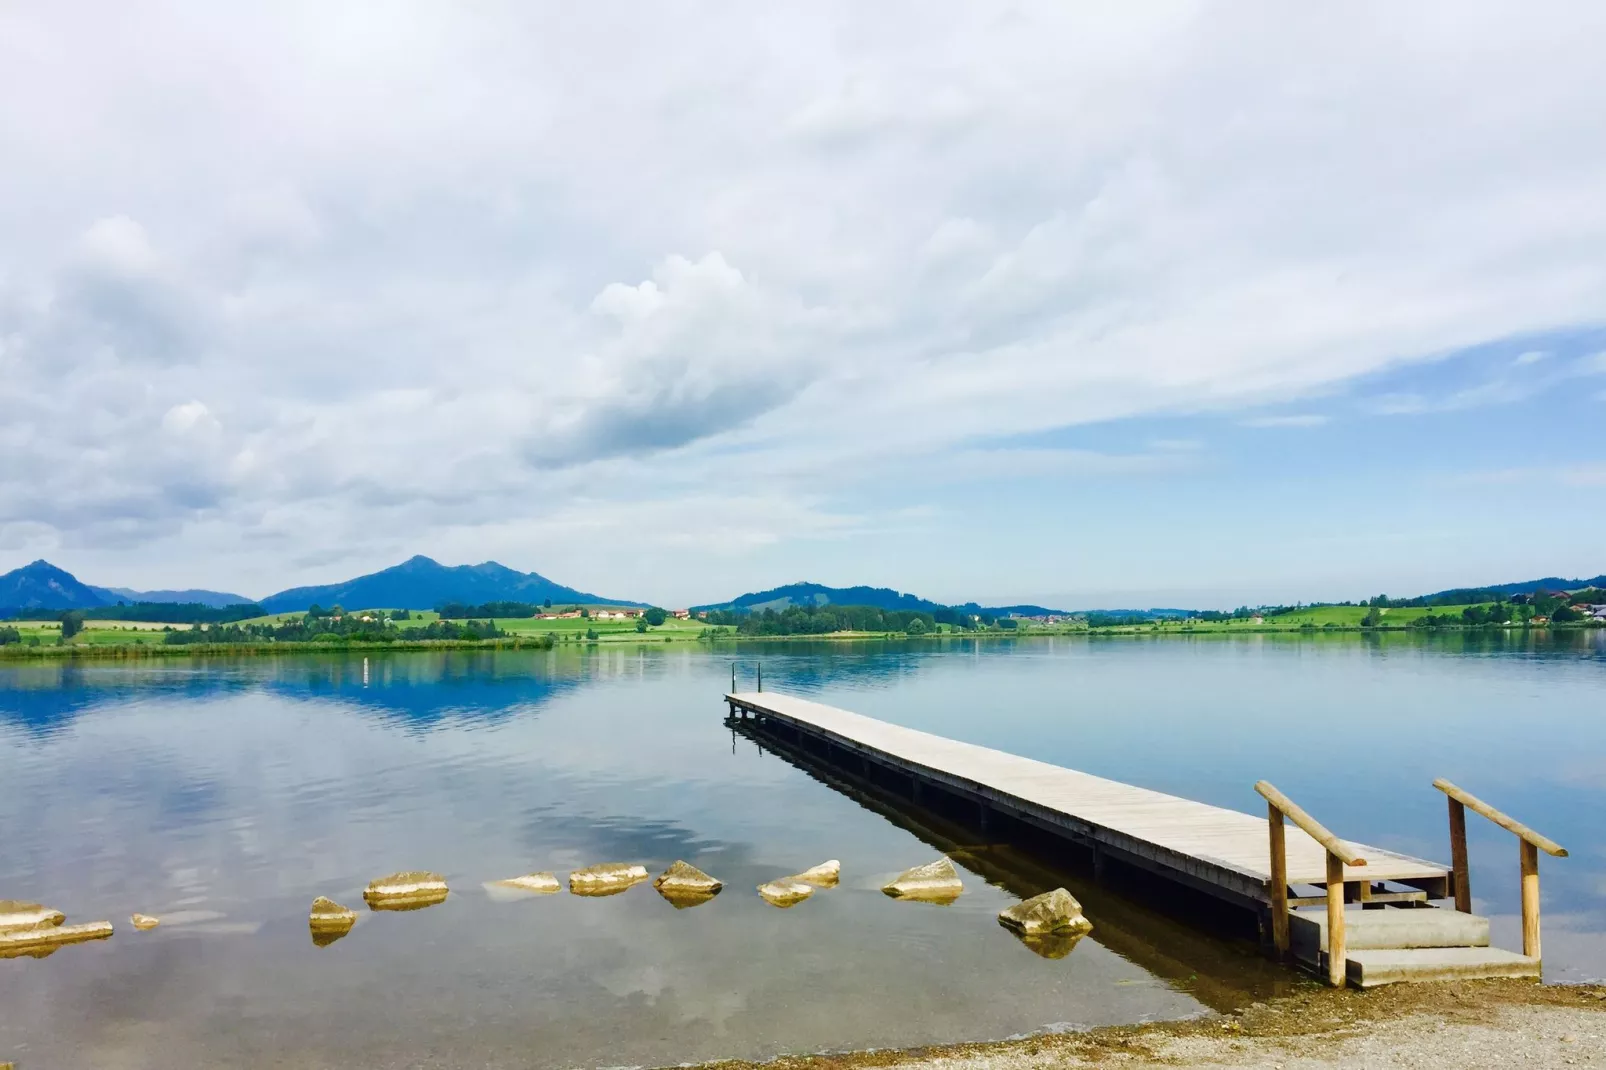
(413,688)
(425,690)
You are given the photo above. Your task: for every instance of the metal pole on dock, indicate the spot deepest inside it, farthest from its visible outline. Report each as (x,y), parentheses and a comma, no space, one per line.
(761,676)
(733,678)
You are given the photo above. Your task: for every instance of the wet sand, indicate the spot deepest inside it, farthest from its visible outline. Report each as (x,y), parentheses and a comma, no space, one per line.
(1469,1026)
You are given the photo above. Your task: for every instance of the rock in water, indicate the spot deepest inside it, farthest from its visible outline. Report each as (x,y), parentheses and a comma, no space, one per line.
(610,878)
(824,875)
(15,915)
(329,921)
(934,882)
(786,892)
(1052,912)
(534,883)
(684,880)
(409,890)
(47,938)
(143,922)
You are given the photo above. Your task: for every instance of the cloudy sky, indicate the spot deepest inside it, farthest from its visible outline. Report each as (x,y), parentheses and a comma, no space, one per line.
(1165,303)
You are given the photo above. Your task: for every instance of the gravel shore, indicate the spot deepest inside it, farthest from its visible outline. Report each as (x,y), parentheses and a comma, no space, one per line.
(1467,1026)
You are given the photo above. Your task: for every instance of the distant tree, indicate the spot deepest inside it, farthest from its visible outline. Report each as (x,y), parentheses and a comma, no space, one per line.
(9,635)
(641,624)
(1009,623)
(1565,613)
(315,610)
(337,610)
(547,604)
(917,627)
(71,624)
(591,633)
(585,614)
(1475,615)
(655,616)
(1373,618)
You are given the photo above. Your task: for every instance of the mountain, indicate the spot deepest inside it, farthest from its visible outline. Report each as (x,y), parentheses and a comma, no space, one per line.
(420,583)
(41,585)
(1549,583)
(211,599)
(817,594)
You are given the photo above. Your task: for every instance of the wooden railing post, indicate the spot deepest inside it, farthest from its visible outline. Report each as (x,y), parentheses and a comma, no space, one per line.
(1458,855)
(1279,880)
(1530,899)
(1336,952)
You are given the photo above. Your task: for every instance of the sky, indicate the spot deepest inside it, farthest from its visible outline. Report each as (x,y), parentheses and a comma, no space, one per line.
(1083,304)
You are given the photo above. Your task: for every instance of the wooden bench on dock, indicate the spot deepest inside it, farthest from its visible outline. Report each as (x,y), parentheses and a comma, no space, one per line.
(1237,857)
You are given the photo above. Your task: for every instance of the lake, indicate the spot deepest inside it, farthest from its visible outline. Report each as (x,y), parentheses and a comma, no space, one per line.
(223,795)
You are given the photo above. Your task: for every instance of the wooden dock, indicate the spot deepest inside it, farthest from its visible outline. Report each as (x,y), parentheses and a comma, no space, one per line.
(1223,853)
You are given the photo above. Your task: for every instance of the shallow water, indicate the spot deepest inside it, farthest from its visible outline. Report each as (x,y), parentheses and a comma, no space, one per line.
(225,795)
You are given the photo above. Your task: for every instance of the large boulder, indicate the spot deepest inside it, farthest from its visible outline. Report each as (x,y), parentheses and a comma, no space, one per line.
(1052,912)
(934,882)
(824,875)
(610,878)
(329,921)
(683,884)
(16,915)
(408,890)
(786,891)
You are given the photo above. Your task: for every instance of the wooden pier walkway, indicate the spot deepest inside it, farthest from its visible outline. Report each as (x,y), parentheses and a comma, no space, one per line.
(1224,853)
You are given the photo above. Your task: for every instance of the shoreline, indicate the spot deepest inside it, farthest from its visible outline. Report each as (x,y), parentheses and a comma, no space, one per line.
(1468,1024)
(532,642)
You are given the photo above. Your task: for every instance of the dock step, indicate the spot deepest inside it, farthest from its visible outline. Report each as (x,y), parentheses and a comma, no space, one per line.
(1392,928)
(1384,966)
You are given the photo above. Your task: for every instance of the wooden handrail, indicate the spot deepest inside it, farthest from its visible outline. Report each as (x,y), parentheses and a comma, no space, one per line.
(1336,847)
(1529,845)
(1478,806)
(1339,854)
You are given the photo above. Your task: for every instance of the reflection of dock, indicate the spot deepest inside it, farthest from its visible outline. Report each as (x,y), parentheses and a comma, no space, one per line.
(1224,975)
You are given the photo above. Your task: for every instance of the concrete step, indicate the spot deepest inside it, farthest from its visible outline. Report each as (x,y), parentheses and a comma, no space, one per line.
(1390,927)
(1385,966)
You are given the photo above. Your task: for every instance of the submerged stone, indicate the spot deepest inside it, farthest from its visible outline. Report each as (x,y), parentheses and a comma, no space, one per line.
(1052,912)
(934,882)
(143,922)
(684,879)
(533,883)
(1050,945)
(610,878)
(786,892)
(49,937)
(16,915)
(824,875)
(408,890)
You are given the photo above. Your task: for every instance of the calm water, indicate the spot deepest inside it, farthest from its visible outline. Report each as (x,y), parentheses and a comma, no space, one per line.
(224,796)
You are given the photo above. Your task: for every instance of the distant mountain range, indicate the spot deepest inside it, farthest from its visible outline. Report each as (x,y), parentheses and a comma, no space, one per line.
(817,594)
(41,585)
(422,583)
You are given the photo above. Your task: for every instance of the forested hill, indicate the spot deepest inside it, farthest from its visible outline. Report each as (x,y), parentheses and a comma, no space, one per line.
(421,583)
(882,598)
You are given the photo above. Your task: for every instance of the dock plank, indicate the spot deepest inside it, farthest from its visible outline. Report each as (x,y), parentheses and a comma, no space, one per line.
(1209,843)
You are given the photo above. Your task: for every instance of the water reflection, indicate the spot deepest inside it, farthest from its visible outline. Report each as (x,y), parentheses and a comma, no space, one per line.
(239,790)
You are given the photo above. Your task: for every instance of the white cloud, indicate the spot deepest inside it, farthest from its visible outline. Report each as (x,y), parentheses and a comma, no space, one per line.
(1300,419)
(1531,356)
(489,268)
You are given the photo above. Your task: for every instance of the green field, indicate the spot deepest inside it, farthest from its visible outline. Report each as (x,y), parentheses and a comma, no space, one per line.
(574,628)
